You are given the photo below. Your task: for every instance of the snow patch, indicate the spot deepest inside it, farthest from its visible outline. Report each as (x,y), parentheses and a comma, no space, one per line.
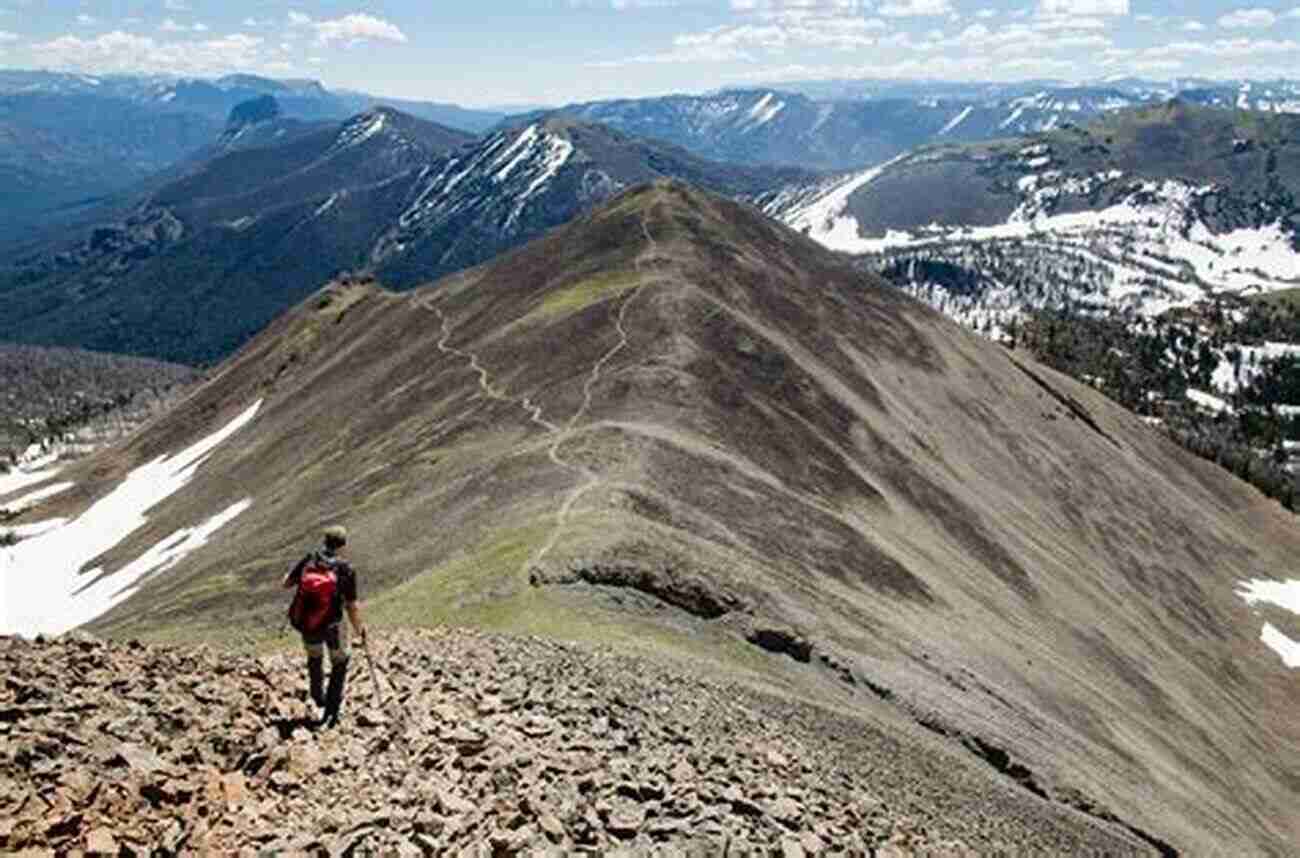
(1208,401)
(1281,594)
(42,589)
(30,500)
(764,111)
(327,205)
(21,477)
(359,130)
(956,120)
(1288,649)
(825,217)
(520,149)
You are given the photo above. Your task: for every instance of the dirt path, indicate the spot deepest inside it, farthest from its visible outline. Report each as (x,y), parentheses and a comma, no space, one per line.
(559,434)
(591,479)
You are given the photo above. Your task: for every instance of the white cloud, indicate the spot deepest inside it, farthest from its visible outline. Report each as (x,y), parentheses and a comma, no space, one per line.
(771,32)
(1248,19)
(170,26)
(176,5)
(85,20)
(1223,48)
(6,37)
(1193,27)
(1294,13)
(1053,24)
(349,29)
(357,27)
(986,13)
(126,52)
(915,8)
(1083,7)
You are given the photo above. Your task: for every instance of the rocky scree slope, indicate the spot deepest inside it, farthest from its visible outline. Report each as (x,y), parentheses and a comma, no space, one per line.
(471,744)
(675,425)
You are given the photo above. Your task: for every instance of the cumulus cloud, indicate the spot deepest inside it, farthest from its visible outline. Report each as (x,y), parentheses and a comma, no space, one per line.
(1193,27)
(170,26)
(1248,19)
(6,36)
(1083,7)
(350,29)
(915,8)
(126,52)
(176,5)
(1226,48)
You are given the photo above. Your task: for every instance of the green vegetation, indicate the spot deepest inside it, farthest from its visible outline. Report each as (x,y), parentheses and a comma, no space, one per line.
(1148,366)
(50,393)
(583,294)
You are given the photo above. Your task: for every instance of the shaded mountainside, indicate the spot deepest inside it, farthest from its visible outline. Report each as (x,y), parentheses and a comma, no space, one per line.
(677,426)
(212,255)
(46,391)
(68,140)
(215,254)
(470,740)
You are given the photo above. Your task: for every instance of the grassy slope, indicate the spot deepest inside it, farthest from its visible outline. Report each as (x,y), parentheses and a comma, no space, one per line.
(811,450)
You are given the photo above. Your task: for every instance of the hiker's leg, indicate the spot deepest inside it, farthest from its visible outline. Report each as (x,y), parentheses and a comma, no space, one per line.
(316,669)
(340,651)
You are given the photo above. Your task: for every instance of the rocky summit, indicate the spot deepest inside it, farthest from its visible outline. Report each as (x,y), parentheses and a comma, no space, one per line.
(465,743)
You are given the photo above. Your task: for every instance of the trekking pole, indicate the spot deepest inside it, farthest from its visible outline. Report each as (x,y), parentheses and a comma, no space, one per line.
(370,660)
(370,663)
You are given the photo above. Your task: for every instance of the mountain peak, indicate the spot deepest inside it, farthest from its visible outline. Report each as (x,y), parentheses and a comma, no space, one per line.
(261,109)
(672,420)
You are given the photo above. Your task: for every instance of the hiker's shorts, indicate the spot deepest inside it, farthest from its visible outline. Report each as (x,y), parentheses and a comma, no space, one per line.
(335,637)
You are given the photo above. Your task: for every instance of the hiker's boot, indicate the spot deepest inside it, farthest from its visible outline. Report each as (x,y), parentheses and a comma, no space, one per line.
(334,694)
(316,676)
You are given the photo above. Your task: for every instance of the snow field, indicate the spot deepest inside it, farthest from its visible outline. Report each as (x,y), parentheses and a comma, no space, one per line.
(1281,594)
(42,589)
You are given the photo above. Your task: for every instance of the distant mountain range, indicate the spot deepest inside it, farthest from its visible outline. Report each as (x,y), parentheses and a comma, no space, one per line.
(215,98)
(67,141)
(1274,95)
(832,126)
(1149,208)
(194,259)
(279,206)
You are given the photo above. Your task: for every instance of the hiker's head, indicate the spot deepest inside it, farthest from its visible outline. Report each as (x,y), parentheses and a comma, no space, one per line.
(336,536)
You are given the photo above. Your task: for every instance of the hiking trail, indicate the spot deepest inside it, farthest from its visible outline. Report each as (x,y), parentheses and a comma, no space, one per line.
(560,434)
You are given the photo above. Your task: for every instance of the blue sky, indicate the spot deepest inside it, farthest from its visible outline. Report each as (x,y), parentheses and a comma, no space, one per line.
(552,51)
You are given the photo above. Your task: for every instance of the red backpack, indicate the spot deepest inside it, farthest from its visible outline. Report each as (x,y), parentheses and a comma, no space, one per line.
(312,607)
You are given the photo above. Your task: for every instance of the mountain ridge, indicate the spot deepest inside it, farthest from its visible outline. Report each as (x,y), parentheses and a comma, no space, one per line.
(382,192)
(675,422)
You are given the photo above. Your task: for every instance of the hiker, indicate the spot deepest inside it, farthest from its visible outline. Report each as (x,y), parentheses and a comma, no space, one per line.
(326,587)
